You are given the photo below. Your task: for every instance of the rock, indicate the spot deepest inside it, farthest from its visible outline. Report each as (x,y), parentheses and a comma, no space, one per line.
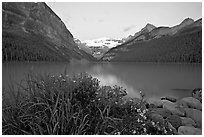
(173,108)
(186,121)
(162,111)
(169,99)
(197,93)
(158,103)
(175,121)
(157,118)
(195,115)
(172,128)
(152,106)
(186,130)
(190,102)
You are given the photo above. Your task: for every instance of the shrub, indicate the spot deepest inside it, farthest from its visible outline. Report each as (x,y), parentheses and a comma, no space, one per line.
(75,105)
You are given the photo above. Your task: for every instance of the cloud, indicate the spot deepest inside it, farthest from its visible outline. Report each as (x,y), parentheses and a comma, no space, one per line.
(101,20)
(128,28)
(84,19)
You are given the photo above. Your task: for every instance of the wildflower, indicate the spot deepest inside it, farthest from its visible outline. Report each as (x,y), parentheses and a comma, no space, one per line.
(141,114)
(144,111)
(165,131)
(153,123)
(145,130)
(117,133)
(138,110)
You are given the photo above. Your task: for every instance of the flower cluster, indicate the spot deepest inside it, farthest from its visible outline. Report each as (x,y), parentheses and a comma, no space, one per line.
(81,106)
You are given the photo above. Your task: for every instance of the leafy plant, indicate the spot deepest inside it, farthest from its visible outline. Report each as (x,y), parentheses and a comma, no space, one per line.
(58,105)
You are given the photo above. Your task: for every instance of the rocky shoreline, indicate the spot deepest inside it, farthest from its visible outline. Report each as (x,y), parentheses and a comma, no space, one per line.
(184,116)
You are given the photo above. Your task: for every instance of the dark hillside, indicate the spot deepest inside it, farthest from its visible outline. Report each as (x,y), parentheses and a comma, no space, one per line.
(186,47)
(33,32)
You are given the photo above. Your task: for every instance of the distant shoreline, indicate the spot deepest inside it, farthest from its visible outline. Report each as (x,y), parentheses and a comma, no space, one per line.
(101,62)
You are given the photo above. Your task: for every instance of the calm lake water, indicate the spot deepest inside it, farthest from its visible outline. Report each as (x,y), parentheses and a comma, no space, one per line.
(155,80)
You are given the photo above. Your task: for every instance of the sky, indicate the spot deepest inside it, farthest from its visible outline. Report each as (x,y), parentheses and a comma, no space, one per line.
(92,20)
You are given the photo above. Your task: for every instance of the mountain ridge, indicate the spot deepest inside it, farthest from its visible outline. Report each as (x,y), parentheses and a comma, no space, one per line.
(157,32)
(38,32)
(163,46)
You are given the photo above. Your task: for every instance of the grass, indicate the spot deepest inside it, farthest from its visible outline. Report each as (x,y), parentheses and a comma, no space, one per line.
(64,105)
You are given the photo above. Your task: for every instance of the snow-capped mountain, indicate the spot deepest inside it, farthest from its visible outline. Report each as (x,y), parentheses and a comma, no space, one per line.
(103,42)
(98,47)
(82,46)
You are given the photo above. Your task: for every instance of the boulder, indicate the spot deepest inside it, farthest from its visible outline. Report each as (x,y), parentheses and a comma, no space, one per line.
(175,121)
(157,103)
(197,93)
(161,111)
(190,102)
(186,130)
(186,121)
(173,108)
(195,115)
(157,118)
(169,99)
(152,106)
(172,128)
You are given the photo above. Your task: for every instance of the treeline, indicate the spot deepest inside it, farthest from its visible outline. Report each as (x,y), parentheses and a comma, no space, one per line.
(17,48)
(15,52)
(181,48)
(23,47)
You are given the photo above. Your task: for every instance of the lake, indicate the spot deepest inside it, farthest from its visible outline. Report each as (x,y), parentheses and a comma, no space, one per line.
(154,80)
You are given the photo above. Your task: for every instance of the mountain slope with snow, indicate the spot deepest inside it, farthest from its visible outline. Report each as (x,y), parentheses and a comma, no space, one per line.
(108,42)
(98,47)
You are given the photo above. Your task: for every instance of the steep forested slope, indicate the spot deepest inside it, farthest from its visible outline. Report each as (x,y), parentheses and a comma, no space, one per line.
(33,32)
(184,46)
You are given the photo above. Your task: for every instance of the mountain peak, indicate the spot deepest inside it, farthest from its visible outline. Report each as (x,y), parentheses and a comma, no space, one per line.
(187,21)
(149,27)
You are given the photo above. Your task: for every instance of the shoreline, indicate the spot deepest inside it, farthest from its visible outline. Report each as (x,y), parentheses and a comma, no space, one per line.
(83,95)
(184,115)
